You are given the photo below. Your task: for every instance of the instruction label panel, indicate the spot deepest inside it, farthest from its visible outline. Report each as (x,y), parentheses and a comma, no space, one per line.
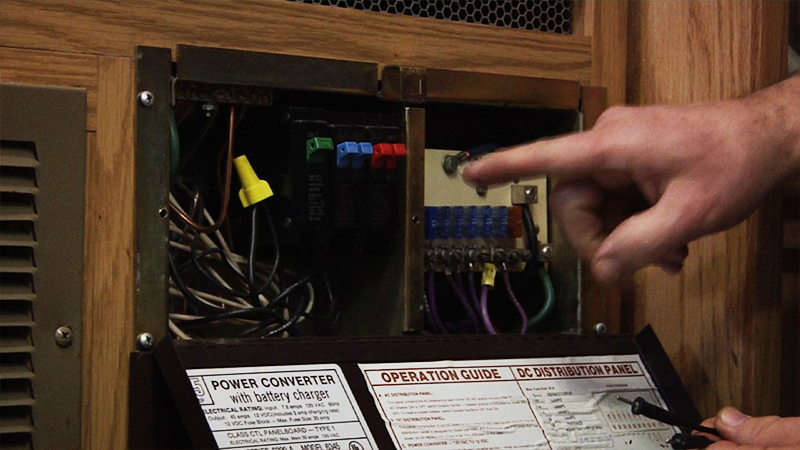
(543,403)
(305,407)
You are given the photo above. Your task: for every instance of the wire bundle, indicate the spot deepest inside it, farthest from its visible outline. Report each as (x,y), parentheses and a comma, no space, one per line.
(216,292)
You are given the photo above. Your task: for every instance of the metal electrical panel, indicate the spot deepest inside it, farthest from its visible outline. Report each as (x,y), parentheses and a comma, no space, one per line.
(366,210)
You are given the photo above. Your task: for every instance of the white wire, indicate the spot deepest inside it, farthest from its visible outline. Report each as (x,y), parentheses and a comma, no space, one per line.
(233,257)
(178,316)
(237,260)
(209,299)
(178,332)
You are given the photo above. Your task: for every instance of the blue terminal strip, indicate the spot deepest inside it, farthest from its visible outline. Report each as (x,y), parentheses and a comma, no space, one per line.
(472,222)
(445,222)
(488,222)
(345,153)
(466,222)
(458,216)
(431,222)
(501,222)
(365,152)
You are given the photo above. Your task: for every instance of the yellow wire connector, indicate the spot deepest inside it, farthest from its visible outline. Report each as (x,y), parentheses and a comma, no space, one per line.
(253,189)
(489,271)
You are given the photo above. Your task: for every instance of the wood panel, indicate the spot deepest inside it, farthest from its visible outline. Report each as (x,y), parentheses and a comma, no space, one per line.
(109,307)
(115,28)
(720,319)
(53,69)
(607,24)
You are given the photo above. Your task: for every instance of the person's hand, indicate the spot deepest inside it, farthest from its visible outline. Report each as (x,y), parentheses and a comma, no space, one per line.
(645,181)
(742,432)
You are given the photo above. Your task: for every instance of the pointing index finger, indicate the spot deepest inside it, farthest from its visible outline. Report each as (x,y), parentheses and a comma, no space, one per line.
(570,156)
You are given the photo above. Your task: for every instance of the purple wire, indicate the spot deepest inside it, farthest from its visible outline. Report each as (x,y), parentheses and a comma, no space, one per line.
(514,300)
(459,290)
(432,313)
(473,293)
(487,322)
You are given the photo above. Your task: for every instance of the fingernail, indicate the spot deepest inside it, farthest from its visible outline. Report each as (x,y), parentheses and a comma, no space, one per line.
(732,417)
(469,164)
(607,270)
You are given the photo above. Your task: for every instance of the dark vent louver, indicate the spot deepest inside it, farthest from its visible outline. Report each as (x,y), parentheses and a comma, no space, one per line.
(18,189)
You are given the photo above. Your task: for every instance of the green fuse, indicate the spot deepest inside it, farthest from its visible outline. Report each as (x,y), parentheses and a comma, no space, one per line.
(317,149)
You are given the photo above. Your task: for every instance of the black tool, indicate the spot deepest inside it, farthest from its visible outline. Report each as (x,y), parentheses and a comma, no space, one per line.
(683,441)
(640,406)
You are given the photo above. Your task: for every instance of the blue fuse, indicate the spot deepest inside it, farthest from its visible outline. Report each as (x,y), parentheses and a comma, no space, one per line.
(431,222)
(458,214)
(472,230)
(445,222)
(501,222)
(488,223)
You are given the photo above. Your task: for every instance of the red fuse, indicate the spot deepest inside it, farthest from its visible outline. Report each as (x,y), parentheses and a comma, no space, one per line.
(515,221)
(399,152)
(381,152)
(388,153)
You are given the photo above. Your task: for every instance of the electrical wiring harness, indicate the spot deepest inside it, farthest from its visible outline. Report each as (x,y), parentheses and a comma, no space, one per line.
(216,292)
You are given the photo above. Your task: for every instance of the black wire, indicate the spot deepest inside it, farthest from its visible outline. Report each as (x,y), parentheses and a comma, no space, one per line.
(275,243)
(335,310)
(530,229)
(292,320)
(251,257)
(224,259)
(199,265)
(198,304)
(297,314)
(247,313)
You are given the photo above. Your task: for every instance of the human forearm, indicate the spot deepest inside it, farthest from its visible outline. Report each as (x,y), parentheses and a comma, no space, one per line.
(646,181)
(775,119)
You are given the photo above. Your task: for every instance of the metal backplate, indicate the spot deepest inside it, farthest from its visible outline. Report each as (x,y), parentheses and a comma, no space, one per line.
(504,90)
(222,66)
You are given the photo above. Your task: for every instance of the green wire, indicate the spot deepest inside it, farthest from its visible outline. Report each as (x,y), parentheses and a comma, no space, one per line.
(174,145)
(549,299)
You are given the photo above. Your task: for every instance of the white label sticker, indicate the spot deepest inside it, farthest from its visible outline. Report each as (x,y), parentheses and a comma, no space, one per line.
(543,403)
(308,407)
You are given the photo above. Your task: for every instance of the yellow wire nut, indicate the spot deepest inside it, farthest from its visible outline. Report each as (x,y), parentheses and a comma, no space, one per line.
(489,272)
(253,189)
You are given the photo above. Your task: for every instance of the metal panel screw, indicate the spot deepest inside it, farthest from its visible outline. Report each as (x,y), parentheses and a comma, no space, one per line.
(63,336)
(482,190)
(145,341)
(547,252)
(146,98)
(208,108)
(600,329)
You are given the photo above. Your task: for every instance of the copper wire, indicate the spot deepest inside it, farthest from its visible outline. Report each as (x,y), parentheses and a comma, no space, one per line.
(223,214)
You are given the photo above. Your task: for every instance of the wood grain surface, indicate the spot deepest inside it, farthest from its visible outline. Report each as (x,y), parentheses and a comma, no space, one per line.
(53,69)
(115,28)
(109,308)
(720,319)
